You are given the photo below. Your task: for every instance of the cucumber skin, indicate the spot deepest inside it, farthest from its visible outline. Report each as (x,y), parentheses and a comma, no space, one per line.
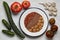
(9,16)
(7,25)
(8,32)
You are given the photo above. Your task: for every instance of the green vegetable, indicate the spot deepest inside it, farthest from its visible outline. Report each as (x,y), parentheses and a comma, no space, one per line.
(8,32)
(7,25)
(9,16)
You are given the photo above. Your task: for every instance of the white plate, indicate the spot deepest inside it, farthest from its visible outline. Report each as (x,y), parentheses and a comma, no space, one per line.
(25,13)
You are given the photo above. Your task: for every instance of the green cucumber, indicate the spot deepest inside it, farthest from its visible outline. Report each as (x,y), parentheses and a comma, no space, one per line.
(7,25)
(9,16)
(8,32)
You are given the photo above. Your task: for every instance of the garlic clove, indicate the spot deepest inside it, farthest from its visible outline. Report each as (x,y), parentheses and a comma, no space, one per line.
(43,4)
(50,13)
(50,8)
(48,4)
(53,4)
(54,13)
(54,9)
(46,8)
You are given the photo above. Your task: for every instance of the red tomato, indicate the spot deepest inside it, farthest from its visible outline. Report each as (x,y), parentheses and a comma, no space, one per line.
(16,7)
(26,4)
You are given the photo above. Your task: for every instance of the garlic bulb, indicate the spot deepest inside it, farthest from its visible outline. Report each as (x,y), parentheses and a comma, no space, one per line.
(51,7)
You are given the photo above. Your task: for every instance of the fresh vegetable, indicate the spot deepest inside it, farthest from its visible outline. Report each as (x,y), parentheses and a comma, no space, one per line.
(26,4)
(7,25)
(9,16)
(16,7)
(49,34)
(8,32)
(54,28)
